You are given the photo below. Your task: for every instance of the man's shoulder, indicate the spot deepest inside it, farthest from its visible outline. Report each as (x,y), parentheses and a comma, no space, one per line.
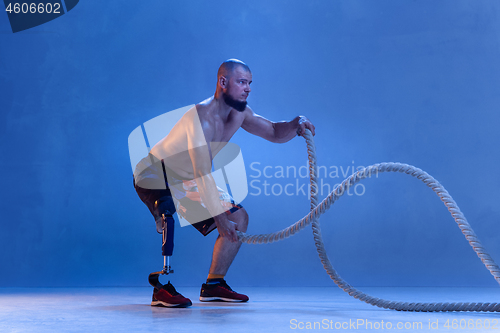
(247,113)
(204,106)
(204,114)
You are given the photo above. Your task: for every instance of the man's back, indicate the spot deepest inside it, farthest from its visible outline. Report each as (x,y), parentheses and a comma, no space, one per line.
(190,133)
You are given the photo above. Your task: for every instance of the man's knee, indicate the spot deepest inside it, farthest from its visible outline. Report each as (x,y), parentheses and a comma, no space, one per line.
(241,219)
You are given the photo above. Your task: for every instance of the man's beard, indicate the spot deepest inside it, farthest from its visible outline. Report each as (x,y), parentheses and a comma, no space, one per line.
(239,106)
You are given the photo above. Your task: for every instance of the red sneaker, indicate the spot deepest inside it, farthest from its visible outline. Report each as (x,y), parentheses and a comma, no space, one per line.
(168,297)
(220,292)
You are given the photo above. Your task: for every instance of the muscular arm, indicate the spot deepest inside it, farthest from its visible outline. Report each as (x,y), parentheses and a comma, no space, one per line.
(278,132)
(198,140)
(198,145)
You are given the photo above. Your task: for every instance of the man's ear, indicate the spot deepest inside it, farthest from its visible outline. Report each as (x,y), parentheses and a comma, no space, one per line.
(223,82)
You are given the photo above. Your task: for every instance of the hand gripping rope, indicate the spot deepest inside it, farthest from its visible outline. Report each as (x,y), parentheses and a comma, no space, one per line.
(338,191)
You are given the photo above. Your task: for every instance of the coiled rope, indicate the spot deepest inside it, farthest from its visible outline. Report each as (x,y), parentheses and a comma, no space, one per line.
(338,191)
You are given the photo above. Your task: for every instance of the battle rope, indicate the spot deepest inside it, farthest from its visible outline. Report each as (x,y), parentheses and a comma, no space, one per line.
(338,191)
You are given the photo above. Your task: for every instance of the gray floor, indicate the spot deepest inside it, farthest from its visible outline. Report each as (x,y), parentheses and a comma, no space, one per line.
(269,310)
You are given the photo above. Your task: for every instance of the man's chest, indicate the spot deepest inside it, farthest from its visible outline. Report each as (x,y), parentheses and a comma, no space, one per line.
(224,130)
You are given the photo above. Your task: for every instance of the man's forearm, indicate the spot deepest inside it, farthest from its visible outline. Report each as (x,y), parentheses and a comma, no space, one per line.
(284,131)
(209,194)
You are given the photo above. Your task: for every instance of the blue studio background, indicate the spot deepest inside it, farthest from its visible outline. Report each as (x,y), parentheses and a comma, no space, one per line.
(409,81)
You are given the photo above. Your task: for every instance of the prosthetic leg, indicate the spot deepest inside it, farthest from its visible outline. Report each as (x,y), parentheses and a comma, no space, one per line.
(167,248)
(165,294)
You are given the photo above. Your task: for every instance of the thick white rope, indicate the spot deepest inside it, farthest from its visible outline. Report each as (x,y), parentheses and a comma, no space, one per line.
(338,191)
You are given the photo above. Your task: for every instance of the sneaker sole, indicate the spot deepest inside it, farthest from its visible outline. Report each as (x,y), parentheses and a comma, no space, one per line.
(220,299)
(168,305)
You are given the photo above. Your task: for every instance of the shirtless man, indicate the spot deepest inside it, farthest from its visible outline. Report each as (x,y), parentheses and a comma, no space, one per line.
(186,155)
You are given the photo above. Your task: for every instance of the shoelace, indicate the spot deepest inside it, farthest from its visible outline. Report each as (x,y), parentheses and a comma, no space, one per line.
(224,285)
(170,289)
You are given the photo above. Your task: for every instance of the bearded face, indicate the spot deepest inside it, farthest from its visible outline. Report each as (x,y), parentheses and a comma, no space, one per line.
(237,89)
(232,102)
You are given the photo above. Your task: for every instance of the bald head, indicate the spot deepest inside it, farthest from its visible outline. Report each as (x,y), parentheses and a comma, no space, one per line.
(227,68)
(233,83)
